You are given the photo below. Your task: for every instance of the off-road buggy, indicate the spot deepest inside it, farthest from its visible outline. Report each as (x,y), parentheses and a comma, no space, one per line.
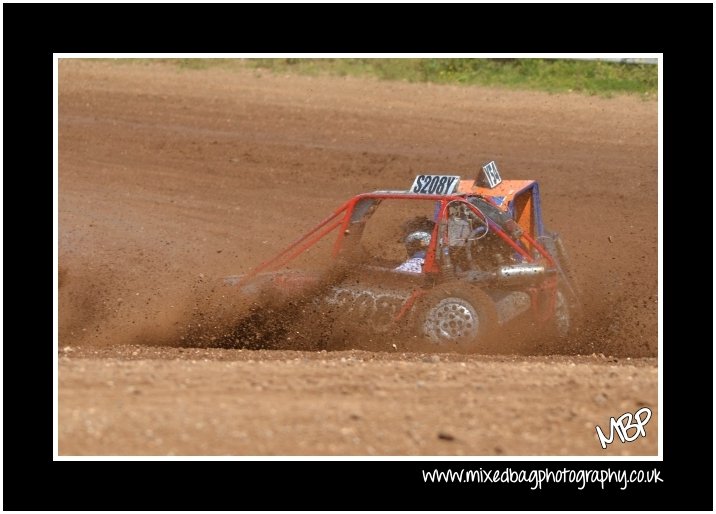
(487,264)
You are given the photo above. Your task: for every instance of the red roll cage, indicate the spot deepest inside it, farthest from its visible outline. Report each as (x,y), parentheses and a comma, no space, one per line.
(525,244)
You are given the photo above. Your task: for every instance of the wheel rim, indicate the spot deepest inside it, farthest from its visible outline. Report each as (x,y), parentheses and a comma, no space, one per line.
(452,320)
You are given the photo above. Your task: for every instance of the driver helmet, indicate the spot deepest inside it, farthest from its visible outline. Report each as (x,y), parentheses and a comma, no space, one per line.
(416,241)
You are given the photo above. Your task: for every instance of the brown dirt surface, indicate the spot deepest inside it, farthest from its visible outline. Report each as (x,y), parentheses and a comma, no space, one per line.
(170,179)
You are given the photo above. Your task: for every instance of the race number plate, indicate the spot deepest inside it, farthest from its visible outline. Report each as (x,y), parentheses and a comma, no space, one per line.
(435,184)
(491,176)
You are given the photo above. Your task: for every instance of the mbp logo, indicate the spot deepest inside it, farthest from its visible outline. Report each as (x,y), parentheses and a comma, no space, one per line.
(623,424)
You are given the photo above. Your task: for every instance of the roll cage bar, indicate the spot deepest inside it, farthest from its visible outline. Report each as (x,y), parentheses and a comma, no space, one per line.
(525,245)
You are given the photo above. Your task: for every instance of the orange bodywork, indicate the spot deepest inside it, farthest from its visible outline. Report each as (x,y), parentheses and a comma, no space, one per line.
(505,193)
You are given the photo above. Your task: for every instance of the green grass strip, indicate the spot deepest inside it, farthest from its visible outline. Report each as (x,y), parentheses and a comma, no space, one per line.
(553,75)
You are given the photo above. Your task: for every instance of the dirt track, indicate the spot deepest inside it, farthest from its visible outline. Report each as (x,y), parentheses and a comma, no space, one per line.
(172,179)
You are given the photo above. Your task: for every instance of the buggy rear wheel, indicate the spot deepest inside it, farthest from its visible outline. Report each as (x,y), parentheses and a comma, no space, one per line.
(455,317)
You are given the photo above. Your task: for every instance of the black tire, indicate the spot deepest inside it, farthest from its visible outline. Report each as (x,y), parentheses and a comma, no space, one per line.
(564,316)
(455,317)
(568,303)
(554,245)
